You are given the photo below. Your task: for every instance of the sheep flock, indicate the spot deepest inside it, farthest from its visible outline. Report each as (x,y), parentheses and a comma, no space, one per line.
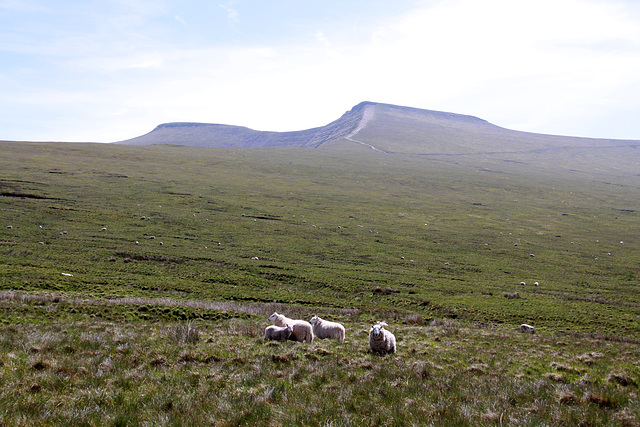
(381,340)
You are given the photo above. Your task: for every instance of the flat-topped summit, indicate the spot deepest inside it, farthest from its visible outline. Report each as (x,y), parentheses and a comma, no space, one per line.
(220,135)
(352,122)
(393,129)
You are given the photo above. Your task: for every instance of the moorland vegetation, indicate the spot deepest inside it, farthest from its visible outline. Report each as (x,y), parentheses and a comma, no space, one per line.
(136,283)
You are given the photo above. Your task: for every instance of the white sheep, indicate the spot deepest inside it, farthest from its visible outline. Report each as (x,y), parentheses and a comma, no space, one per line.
(527,329)
(278,333)
(381,341)
(326,329)
(302,330)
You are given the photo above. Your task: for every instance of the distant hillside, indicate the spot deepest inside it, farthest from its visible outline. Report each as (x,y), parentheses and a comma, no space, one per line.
(219,135)
(410,130)
(393,129)
(363,115)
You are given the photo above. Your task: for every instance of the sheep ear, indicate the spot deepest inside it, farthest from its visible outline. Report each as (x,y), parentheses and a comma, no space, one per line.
(383,323)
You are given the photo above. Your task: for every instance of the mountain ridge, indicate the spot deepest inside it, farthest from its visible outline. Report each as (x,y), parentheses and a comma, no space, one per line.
(393,129)
(215,135)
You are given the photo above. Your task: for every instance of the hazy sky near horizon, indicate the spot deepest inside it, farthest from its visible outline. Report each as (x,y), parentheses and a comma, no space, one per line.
(105,71)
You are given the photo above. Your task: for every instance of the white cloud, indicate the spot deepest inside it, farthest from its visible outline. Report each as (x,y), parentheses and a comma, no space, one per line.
(233,15)
(520,63)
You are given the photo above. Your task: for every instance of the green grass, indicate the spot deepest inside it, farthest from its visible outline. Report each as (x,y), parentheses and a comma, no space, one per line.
(228,236)
(96,373)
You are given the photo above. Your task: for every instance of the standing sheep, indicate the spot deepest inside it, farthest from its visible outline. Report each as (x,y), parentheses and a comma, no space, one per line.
(302,330)
(381,341)
(527,329)
(278,333)
(326,329)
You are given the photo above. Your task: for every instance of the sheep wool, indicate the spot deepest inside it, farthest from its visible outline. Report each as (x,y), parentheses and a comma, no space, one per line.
(326,329)
(302,330)
(381,341)
(527,329)
(277,333)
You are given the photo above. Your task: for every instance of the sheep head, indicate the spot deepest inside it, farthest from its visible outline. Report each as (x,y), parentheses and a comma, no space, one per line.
(378,327)
(314,319)
(274,316)
(288,331)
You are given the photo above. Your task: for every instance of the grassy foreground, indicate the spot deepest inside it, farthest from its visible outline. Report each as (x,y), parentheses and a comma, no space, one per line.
(115,373)
(136,281)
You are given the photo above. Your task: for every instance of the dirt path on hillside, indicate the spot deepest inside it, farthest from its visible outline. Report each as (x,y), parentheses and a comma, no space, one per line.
(367,115)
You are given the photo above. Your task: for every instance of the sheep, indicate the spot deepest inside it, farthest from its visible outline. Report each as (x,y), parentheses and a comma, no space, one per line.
(523,283)
(381,341)
(302,330)
(326,329)
(278,333)
(527,329)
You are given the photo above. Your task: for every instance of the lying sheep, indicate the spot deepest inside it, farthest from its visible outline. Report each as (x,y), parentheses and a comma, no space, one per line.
(381,341)
(326,329)
(527,329)
(277,333)
(302,330)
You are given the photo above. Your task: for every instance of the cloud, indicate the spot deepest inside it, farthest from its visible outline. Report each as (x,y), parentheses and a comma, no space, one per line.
(518,63)
(232,13)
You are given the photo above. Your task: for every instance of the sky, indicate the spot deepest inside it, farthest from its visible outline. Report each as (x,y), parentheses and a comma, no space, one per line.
(105,71)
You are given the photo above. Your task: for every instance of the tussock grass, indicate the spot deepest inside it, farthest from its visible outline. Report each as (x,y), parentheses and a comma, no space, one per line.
(185,332)
(101,372)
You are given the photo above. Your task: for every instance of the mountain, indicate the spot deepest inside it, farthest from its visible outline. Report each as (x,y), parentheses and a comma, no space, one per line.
(219,135)
(393,129)
(366,115)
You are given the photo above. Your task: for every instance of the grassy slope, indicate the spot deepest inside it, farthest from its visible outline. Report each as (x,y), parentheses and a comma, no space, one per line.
(349,233)
(468,140)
